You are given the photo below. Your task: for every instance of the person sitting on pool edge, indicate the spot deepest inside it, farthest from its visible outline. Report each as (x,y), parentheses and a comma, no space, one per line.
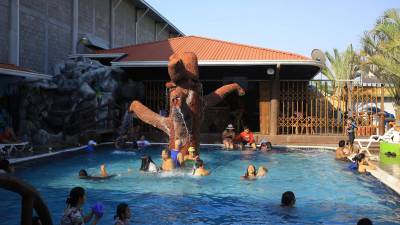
(340,155)
(288,199)
(362,163)
(262,171)
(148,165)
(227,136)
(168,163)
(123,214)
(200,170)
(142,142)
(73,214)
(247,138)
(251,173)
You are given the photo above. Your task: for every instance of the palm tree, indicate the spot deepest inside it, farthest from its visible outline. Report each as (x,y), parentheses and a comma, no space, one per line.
(382,52)
(342,67)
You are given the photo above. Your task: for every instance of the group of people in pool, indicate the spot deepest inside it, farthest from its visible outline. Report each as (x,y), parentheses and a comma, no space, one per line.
(171,160)
(359,161)
(174,159)
(243,140)
(73,213)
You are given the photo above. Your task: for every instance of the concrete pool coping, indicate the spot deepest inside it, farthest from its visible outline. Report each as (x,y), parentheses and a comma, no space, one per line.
(381,175)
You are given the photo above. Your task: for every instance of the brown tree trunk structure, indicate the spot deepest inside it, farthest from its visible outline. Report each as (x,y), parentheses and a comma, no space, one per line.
(187,105)
(30,200)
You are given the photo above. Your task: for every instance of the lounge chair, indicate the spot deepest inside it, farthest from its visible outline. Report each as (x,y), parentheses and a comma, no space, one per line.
(8,148)
(365,143)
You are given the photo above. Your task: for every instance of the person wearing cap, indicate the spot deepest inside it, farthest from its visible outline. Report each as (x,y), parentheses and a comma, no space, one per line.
(228,136)
(192,157)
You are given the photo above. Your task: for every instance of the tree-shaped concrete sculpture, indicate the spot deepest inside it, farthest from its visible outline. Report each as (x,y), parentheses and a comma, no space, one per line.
(186,102)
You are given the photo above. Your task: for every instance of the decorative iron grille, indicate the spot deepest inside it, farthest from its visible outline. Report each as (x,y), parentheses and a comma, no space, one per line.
(321,107)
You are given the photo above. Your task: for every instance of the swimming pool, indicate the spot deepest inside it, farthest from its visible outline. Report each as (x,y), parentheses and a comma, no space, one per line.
(326,191)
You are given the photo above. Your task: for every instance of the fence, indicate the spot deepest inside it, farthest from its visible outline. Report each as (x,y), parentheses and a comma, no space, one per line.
(321,107)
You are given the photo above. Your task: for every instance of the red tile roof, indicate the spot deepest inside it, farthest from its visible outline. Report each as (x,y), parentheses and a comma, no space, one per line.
(205,49)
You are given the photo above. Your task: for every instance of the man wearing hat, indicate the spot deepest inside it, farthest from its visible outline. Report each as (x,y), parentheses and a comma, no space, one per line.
(192,157)
(227,136)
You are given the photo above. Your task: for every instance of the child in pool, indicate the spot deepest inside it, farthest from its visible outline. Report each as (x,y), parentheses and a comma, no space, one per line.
(251,173)
(200,170)
(262,171)
(123,214)
(73,214)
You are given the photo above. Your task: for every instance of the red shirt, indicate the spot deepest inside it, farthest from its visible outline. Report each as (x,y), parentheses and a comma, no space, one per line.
(247,137)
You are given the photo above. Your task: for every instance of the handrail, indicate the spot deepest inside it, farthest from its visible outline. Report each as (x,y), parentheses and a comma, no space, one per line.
(31,199)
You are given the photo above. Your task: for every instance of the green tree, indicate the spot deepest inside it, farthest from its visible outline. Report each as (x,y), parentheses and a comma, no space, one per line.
(342,67)
(382,52)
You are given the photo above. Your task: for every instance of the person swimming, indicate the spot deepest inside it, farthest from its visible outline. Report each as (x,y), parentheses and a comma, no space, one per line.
(191,158)
(251,173)
(123,214)
(148,165)
(103,174)
(200,170)
(265,146)
(340,154)
(362,164)
(167,164)
(288,199)
(262,171)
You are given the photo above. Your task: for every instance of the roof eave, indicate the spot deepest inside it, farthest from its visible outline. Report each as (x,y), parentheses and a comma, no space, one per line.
(97,56)
(222,63)
(26,74)
(161,17)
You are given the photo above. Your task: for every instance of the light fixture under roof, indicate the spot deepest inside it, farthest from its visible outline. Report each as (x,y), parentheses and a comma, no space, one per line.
(270,71)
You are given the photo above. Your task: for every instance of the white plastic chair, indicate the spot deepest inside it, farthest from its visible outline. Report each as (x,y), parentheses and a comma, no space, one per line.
(10,147)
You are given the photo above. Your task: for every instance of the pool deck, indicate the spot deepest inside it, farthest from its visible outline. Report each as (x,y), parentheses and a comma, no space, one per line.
(390,179)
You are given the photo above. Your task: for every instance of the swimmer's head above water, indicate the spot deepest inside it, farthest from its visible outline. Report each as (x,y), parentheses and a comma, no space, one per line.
(165,154)
(83,173)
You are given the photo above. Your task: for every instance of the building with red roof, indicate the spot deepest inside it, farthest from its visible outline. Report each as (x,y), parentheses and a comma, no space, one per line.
(259,70)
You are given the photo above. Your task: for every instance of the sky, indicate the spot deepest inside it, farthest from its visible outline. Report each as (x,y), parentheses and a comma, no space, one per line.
(297,26)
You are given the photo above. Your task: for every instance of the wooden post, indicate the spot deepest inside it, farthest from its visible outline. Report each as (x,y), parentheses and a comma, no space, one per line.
(382,115)
(265,106)
(275,96)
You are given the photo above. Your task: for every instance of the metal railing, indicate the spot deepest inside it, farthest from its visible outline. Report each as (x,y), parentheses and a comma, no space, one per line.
(322,107)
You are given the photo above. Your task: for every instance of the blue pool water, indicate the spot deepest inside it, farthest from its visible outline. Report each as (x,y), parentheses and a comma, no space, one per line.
(326,191)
